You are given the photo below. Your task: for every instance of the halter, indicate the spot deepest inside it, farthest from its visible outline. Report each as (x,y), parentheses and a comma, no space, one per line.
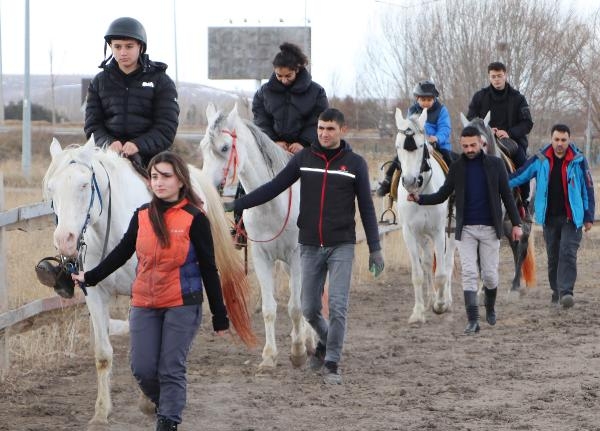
(425,161)
(75,265)
(232,163)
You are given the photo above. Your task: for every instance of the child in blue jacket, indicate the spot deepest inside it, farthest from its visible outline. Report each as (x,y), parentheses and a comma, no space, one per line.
(437,127)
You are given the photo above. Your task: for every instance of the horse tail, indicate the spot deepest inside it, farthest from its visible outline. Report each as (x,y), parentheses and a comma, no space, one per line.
(528,268)
(234,283)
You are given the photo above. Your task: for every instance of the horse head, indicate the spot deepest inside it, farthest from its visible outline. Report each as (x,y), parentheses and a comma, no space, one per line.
(222,156)
(72,186)
(487,134)
(413,151)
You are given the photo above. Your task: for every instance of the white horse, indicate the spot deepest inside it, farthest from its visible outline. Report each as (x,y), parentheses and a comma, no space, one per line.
(423,226)
(233,146)
(524,249)
(94,194)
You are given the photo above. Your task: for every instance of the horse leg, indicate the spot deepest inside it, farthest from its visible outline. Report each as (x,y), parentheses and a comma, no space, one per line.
(418,313)
(265,272)
(97,303)
(441,274)
(299,325)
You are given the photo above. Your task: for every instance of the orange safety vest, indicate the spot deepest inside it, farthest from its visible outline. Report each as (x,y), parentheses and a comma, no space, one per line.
(167,277)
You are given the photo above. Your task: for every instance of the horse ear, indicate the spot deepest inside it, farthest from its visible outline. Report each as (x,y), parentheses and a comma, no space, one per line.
(399,118)
(486,120)
(87,150)
(211,111)
(463,120)
(422,119)
(55,148)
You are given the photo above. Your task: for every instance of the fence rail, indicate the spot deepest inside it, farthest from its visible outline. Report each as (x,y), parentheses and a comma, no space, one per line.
(28,217)
(29,316)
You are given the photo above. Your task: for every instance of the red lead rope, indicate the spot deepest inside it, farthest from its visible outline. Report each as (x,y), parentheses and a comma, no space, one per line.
(241,231)
(233,161)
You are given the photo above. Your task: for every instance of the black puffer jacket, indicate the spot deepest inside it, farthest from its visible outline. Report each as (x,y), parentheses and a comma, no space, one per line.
(509,111)
(290,113)
(140,107)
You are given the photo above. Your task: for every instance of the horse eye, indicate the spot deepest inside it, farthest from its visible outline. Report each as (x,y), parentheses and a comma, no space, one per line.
(225,148)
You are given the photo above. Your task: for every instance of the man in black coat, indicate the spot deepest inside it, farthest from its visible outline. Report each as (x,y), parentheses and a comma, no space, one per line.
(480,182)
(510,114)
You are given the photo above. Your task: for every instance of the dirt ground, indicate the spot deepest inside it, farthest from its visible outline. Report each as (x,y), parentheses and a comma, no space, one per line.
(537,369)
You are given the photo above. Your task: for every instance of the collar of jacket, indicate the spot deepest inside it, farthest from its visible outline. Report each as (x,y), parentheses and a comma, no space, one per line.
(573,153)
(319,149)
(300,84)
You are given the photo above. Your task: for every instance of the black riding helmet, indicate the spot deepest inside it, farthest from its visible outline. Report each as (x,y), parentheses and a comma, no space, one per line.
(127,28)
(425,89)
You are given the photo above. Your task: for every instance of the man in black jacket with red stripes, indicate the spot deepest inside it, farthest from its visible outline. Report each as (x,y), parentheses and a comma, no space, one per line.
(332,178)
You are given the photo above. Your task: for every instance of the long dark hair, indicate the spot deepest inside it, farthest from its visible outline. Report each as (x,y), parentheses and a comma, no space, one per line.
(290,56)
(156,210)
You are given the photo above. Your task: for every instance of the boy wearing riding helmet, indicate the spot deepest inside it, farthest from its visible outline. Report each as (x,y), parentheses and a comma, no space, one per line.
(437,127)
(131,104)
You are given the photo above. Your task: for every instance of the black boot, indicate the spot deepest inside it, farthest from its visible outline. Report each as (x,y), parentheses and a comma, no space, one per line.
(472,307)
(490,302)
(164,424)
(384,187)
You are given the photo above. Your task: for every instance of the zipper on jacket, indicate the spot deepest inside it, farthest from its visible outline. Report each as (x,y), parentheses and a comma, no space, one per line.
(323,186)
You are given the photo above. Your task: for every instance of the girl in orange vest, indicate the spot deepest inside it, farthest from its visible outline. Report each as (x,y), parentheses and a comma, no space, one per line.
(173,244)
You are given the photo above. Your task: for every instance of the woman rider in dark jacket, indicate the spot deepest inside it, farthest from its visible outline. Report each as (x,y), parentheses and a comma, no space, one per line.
(287,107)
(132,104)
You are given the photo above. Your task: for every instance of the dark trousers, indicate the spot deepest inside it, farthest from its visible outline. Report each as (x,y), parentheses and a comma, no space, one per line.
(519,158)
(160,341)
(562,242)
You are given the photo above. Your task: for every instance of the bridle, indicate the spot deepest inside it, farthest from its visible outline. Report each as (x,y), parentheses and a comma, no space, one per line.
(73,265)
(410,145)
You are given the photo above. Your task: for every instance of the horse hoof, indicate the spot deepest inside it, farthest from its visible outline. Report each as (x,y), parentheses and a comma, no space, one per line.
(515,294)
(439,308)
(298,360)
(416,319)
(266,366)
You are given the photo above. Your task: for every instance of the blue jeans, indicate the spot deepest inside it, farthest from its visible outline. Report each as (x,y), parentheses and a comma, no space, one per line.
(317,263)
(160,341)
(562,242)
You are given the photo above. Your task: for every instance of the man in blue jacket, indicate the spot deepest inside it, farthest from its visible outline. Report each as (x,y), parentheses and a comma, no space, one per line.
(332,178)
(564,203)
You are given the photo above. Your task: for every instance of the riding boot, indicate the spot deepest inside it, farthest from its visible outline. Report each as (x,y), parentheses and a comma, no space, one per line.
(490,302)
(385,185)
(239,238)
(472,308)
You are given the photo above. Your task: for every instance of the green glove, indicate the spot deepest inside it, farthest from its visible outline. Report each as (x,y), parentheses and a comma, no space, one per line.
(228,206)
(376,263)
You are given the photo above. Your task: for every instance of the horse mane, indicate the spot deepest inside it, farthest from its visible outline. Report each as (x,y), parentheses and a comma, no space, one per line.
(274,156)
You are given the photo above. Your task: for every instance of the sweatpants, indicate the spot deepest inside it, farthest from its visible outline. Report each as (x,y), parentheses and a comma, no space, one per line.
(160,341)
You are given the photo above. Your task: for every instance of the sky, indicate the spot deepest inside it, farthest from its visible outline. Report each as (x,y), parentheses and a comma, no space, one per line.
(71,32)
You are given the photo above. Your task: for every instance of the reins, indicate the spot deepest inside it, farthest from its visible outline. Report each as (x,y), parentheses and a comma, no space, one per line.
(76,265)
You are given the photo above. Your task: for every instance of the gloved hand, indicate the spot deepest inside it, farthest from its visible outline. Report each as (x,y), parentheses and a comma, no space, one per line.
(228,206)
(376,263)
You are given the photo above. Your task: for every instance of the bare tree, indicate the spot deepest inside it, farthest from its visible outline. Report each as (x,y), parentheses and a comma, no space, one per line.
(452,42)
